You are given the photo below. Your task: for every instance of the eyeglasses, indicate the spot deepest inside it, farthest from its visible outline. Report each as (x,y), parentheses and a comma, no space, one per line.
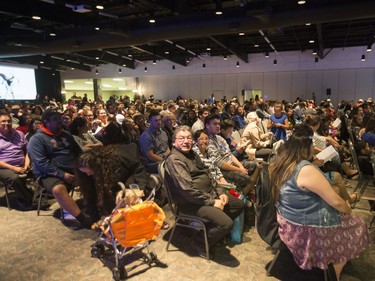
(202,140)
(184,138)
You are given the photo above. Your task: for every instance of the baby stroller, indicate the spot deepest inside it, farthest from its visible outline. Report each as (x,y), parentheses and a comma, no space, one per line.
(129,229)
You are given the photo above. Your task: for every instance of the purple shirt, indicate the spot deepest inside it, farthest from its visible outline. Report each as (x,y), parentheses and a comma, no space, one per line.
(12,150)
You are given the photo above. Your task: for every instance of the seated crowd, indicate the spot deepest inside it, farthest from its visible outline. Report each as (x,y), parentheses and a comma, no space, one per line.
(94,145)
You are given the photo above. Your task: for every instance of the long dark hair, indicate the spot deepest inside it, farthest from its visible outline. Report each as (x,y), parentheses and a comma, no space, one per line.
(78,122)
(104,161)
(296,149)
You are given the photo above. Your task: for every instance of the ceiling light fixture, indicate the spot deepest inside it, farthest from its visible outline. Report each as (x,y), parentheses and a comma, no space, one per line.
(36,17)
(204,66)
(52,34)
(96,72)
(241,33)
(314,52)
(219,8)
(301,2)
(166,52)
(256,45)
(274,62)
(238,64)
(308,23)
(311,41)
(369,47)
(99,7)
(119,70)
(154,62)
(97,28)
(145,68)
(151,20)
(187,60)
(225,57)
(363,58)
(41,62)
(267,55)
(208,48)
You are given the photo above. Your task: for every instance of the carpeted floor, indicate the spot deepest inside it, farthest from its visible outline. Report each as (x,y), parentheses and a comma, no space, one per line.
(44,249)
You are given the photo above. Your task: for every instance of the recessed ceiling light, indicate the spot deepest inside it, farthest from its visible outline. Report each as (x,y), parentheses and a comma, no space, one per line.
(241,33)
(36,18)
(97,28)
(308,23)
(52,34)
(151,21)
(166,52)
(256,45)
(99,7)
(130,56)
(312,41)
(96,58)
(72,68)
(301,2)
(41,62)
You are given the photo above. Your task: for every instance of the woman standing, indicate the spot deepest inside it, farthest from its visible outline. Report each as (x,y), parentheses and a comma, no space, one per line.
(314,222)
(278,123)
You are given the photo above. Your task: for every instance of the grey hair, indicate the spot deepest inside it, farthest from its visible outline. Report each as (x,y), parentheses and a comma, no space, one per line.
(179,129)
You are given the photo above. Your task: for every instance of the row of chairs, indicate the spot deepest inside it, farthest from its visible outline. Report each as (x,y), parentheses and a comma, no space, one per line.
(41,193)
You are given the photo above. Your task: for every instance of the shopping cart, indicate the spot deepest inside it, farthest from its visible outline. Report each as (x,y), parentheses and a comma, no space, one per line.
(128,230)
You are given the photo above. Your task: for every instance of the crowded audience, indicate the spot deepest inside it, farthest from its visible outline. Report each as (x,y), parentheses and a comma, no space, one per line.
(96,144)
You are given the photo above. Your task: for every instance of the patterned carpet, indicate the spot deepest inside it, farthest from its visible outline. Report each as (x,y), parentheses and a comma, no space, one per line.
(44,249)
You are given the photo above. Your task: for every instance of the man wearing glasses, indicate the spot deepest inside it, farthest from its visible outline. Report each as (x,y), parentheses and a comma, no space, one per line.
(196,193)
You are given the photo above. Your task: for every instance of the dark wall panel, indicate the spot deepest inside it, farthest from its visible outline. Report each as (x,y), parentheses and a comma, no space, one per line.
(48,84)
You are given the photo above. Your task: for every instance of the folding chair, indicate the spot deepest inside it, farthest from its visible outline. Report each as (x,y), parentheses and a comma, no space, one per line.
(181,219)
(363,179)
(44,193)
(7,185)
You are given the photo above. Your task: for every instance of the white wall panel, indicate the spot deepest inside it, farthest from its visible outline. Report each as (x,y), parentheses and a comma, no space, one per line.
(195,86)
(364,83)
(346,85)
(206,86)
(298,84)
(243,83)
(314,84)
(270,85)
(284,86)
(218,85)
(172,87)
(184,86)
(230,86)
(256,81)
(331,81)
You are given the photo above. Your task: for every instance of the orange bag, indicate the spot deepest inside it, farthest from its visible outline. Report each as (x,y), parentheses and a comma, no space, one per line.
(137,224)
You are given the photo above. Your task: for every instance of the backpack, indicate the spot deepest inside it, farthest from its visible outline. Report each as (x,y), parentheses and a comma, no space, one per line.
(265,210)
